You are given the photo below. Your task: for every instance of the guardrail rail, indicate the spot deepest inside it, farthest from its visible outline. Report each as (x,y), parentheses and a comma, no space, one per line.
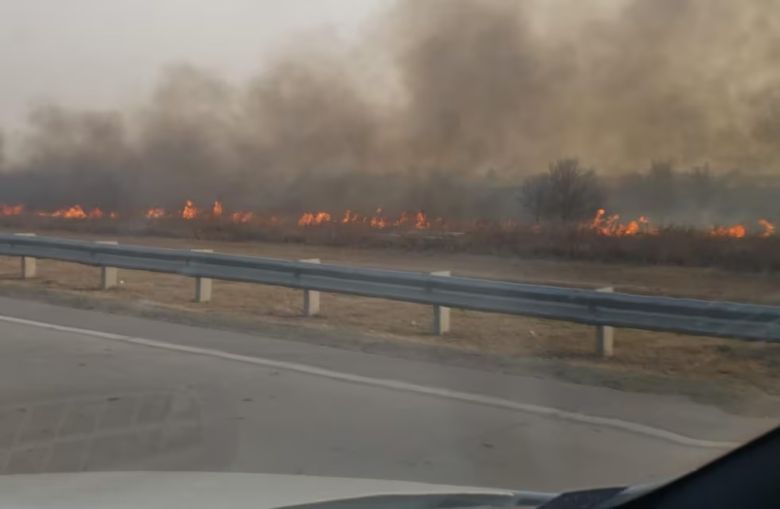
(593,307)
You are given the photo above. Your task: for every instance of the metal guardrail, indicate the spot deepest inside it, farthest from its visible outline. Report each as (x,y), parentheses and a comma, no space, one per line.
(690,316)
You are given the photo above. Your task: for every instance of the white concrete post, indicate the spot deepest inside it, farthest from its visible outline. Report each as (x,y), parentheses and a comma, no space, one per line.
(441,314)
(311,298)
(108,275)
(605,335)
(202,284)
(29,265)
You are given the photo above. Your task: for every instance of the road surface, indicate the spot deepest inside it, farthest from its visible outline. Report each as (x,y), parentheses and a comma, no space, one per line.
(84,390)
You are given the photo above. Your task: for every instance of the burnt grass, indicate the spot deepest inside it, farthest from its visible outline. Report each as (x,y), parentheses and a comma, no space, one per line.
(675,246)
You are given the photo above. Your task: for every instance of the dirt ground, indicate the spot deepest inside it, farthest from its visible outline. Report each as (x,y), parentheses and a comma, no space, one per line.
(755,366)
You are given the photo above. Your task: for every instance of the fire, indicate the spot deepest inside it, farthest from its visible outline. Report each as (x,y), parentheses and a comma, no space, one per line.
(610,226)
(189,211)
(314,218)
(155,213)
(350,217)
(404,219)
(216,209)
(74,212)
(421,221)
(11,210)
(769,228)
(241,217)
(378,220)
(602,223)
(737,231)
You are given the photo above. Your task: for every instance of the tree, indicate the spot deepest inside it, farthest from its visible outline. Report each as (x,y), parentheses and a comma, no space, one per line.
(702,186)
(660,189)
(566,192)
(534,195)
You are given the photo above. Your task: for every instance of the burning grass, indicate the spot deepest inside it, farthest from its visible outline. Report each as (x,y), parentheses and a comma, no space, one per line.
(605,240)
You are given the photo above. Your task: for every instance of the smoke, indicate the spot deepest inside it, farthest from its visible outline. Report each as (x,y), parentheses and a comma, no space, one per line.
(444,105)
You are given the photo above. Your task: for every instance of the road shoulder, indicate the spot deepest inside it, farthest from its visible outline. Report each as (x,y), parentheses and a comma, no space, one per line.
(529,381)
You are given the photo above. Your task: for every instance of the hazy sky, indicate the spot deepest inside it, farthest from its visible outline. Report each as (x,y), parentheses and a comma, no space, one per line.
(106,52)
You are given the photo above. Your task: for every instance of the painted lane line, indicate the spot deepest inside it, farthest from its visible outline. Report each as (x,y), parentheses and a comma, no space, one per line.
(397,385)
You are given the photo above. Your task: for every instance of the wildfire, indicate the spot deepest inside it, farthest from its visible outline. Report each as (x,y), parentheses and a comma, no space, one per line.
(350,217)
(421,221)
(241,217)
(216,209)
(610,226)
(189,211)
(155,213)
(74,212)
(314,218)
(602,223)
(737,231)
(11,210)
(378,220)
(769,228)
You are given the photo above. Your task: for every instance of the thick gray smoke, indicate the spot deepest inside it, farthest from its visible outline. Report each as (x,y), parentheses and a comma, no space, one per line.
(444,106)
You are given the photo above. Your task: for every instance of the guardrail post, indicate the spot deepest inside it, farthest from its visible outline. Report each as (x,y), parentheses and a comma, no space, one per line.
(29,265)
(108,275)
(311,298)
(441,314)
(202,284)
(605,335)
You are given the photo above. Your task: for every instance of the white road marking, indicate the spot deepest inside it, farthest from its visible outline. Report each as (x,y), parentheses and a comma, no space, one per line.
(479,399)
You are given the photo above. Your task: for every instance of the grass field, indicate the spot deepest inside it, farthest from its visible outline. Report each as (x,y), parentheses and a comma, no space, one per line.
(750,365)
(756,251)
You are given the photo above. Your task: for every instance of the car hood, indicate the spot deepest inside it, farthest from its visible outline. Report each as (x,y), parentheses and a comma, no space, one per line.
(151,490)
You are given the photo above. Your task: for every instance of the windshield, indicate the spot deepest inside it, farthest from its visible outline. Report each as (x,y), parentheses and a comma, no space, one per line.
(507,244)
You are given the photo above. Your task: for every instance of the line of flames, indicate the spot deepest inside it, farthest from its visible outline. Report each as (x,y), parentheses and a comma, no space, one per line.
(603,224)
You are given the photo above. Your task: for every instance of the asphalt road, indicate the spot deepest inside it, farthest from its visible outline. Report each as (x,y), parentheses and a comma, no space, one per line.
(83,390)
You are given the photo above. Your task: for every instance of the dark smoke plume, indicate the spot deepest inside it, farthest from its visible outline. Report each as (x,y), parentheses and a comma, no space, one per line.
(444,106)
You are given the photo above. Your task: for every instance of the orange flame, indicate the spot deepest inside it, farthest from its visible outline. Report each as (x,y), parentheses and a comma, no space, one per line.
(216,209)
(603,224)
(610,226)
(769,228)
(74,212)
(349,217)
(155,213)
(189,211)
(314,218)
(241,217)
(737,231)
(378,220)
(11,210)
(421,221)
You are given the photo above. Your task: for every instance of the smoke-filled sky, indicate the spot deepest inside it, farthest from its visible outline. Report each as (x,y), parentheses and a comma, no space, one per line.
(106,53)
(252,101)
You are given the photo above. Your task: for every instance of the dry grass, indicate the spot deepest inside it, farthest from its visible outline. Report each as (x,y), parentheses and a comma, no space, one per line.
(730,361)
(672,246)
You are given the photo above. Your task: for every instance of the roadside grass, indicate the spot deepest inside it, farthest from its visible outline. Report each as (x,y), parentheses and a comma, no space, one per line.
(754,365)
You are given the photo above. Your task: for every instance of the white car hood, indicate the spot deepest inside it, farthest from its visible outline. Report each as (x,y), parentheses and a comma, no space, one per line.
(152,490)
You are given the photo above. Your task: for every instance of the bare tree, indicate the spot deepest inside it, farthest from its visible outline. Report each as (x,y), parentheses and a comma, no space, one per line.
(701,186)
(661,185)
(575,192)
(534,195)
(566,192)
